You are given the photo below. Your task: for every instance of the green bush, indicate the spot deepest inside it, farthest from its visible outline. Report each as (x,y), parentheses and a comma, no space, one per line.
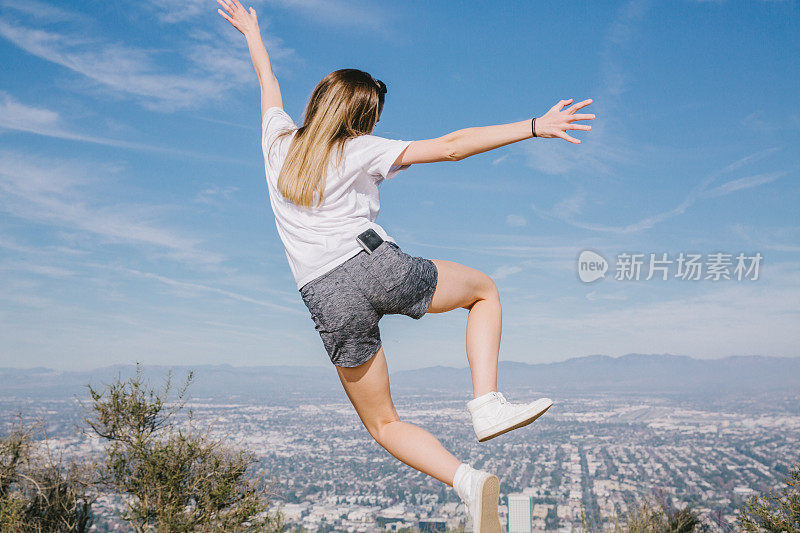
(656,515)
(777,511)
(173,477)
(39,493)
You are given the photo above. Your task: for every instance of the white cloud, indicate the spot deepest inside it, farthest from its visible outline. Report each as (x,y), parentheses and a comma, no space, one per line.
(780,239)
(712,320)
(14,115)
(601,150)
(337,12)
(567,209)
(500,159)
(191,287)
(211,194)
(176,11)
(28,267)
(598,153)
(53,192)
(505,271)
(213,69)
(18,116)
(744,183)
(40,10)
(328,12)
(516,221)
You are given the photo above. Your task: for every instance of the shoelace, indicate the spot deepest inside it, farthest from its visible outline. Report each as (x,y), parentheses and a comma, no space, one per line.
(502,398)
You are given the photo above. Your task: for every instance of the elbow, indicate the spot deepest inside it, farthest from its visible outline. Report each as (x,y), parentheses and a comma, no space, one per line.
(453,151)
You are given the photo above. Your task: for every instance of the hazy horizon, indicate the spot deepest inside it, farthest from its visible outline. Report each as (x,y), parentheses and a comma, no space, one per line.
(326,364)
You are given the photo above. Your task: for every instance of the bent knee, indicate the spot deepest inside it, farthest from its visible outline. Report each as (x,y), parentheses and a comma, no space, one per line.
(491,289)
(485,287)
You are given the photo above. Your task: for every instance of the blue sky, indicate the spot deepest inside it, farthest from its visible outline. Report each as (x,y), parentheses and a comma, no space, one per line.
(135,222)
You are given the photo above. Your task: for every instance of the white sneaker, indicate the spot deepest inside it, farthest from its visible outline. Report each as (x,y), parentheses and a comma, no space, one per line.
(480,492)
(493,415)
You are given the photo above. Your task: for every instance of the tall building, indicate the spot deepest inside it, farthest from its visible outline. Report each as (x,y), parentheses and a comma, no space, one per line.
(519,513)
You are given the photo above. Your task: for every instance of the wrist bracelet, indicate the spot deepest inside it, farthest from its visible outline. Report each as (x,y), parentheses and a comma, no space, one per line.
(533,127)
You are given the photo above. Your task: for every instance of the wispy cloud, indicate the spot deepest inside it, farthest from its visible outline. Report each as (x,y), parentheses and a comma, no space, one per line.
(747,182)
(209,71)
(37,269)
(780,239)
(40,10)
(17,116)
(516,221)
(713,320)
(358,14)
(176,11)
(52,191)
(337,12)
(123,69)
(568,209)
(214,194)
(601,150)
(199,287)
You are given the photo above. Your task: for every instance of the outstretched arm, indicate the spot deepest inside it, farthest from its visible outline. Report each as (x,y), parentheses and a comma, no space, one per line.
(470,141)
(247,23)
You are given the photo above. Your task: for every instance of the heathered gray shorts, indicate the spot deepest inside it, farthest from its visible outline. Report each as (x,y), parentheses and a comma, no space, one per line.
(347,302)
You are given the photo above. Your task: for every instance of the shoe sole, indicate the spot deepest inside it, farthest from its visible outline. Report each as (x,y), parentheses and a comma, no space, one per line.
(490,519)
(496,433)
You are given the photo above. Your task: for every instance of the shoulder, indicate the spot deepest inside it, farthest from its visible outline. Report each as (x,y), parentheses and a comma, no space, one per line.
(376,154)
(275,122)
(373,144)
(276,116)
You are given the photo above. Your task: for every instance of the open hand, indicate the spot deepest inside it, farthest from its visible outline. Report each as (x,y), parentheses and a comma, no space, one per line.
(557,121)
(244,21)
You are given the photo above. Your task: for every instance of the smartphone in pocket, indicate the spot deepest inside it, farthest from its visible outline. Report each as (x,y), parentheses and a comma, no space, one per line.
(369,240)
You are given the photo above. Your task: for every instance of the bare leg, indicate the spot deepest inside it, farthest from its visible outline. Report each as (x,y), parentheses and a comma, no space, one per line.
(367,386)
(462,286)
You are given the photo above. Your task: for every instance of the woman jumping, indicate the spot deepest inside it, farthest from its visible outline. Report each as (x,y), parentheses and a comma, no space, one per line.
(323,180)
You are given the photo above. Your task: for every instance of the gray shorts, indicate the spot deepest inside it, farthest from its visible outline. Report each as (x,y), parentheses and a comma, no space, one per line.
(347,302)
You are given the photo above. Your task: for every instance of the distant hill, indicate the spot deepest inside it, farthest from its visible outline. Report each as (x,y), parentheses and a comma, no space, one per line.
(632,373)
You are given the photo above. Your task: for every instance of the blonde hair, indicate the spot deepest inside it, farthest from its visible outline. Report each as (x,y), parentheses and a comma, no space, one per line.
(345,104)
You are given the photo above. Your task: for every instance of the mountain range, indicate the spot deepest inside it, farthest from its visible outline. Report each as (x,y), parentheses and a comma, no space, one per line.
(594,374)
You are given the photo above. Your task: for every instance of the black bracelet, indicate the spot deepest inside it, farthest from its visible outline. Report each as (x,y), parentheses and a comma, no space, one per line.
(533,127)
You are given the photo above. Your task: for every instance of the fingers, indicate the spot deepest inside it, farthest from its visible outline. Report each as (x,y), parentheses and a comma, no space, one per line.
(226,17)
(579,105)
(567,137)
(561,103)
(583,127)
(227,7)
(573,118)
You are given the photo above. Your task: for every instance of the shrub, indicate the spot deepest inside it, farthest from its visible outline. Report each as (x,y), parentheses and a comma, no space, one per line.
(39,493)
(172,476)
(777,511)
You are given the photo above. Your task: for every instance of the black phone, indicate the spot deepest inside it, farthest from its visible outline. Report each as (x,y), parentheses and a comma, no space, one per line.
(369,240)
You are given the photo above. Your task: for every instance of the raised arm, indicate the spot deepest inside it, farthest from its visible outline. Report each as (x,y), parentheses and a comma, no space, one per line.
(247,23)
(459,144)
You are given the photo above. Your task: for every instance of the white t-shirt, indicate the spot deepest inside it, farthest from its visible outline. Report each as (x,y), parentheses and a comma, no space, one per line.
(317,239)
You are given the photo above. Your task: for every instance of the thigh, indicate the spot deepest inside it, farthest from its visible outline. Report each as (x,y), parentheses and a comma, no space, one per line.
(367,386)
(458,286)
(345,319)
